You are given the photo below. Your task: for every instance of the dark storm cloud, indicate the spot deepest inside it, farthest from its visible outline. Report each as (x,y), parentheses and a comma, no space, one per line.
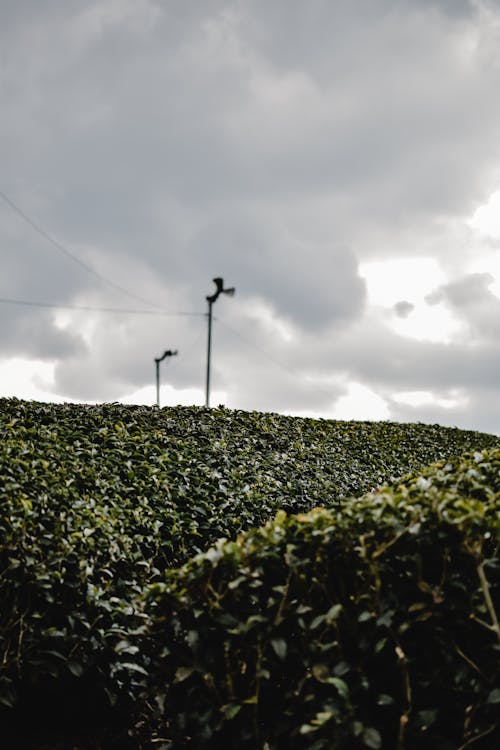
(404,108)
(195,105)
(312,286)
(375,355)
(32,270)
(24,333)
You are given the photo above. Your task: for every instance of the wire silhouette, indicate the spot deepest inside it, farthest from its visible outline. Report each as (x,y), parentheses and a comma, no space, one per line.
(187,350)
(270,357)
(55,243)
(90,308)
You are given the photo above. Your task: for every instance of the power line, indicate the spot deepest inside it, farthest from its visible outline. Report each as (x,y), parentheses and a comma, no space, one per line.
(268,356)
(187,350)
(89,308)
(55,243)
(255,346)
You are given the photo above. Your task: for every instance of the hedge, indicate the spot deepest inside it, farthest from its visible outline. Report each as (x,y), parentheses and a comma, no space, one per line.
(97,501)
(374,625)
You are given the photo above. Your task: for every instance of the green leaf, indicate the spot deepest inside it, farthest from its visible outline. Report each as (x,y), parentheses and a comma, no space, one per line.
(494,696)
(322,717)
(341,668)
(230,710)
(334,612)
(125,647)
(428,716)
(182,673)
(371,738)
(252,700)
(7,698)
(341,686)
(380,645)
(321,672)
(318,620)
(308,729)
(385,700)
(364,616)
(280,647)
(75,668)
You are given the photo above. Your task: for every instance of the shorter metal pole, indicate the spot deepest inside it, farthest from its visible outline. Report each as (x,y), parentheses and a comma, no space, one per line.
(157,361)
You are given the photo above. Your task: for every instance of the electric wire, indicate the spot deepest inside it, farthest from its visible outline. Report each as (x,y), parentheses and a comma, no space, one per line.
(186,350)
(159,311)
(270,357)
(56,244)
(90,308)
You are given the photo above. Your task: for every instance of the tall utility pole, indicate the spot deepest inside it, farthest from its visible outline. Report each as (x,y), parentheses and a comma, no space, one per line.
(168,353)
(219,283)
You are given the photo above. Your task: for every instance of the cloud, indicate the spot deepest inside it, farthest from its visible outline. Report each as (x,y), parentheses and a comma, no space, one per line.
(471,300)
(465,292)
(313,285)
(403,308)
(22,332)
(473,413)
(279,145)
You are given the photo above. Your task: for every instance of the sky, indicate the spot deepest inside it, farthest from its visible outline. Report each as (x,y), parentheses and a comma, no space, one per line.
(336,161)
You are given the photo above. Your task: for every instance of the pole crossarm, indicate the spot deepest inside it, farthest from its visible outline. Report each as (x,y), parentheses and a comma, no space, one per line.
(168,353)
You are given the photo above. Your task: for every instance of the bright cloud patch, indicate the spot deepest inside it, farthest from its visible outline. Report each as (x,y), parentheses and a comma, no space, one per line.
(170,396)
(487,218)
(426,398)
(390,281)
(428,323)
(31,378)
(410,280)
(361,402)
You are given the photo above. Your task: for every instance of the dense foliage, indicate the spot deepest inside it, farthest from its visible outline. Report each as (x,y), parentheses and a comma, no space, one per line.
(373,625)
(97,501)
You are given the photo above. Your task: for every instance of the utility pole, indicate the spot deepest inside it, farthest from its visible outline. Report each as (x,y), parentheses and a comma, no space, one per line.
(168,353)
(219,283)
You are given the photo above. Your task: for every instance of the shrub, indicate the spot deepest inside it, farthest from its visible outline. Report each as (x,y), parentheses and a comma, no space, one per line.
(96,501)
(374,625)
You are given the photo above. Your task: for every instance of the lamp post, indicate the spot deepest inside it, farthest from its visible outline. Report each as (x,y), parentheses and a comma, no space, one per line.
(219,283)
(168,353)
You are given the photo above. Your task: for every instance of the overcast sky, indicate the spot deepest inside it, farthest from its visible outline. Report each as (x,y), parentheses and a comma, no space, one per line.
(337,161)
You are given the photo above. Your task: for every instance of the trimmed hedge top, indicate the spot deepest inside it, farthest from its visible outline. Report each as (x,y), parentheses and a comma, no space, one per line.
(177,479)
(370,625)
(97,501)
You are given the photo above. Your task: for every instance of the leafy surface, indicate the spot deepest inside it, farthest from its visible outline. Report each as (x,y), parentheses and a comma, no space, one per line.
(97,501)
(373,624)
